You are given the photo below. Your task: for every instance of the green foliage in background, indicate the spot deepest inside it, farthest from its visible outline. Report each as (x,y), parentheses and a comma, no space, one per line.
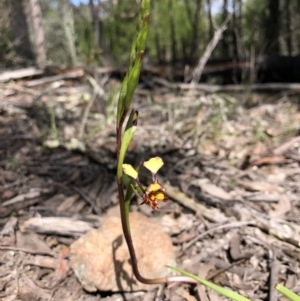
(117,21)
(254,16)
(7,52)
(84,31)
(54,35)
(118,25)
(118,28)
(183,29)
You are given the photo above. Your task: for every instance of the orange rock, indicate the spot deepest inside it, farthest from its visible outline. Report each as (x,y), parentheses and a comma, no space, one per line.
(100,258)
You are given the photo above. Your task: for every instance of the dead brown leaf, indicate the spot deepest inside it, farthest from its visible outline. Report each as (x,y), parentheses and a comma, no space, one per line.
(283,207)
(212,189)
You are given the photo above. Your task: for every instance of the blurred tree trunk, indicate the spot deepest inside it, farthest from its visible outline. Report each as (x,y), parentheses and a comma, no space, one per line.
(297,36)
(195,29)
(188,9)
(211,25)
(95,17)
(172,31)
(185,43)
(100,45)
(68,27)
(38,32)
(19,30)
(272,27)
(225,47)
(288,33)
(237,29)
(159,57)
(234,31)
(239,10)
(238,32)
(184,46)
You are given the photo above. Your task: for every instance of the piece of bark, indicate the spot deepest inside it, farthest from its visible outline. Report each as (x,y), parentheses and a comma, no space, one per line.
(56,225)
(32,242)
(22,197)
(256,87)
(281,149)
(212,214)
(70,75)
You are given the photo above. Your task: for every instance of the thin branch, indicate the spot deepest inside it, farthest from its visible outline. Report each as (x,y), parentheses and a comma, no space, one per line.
(207,53)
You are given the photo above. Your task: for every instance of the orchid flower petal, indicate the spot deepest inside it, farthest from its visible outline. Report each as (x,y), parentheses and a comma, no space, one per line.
(154,164)
(129,171)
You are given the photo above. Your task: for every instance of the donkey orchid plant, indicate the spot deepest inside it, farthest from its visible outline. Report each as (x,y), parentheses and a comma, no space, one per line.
(154,192)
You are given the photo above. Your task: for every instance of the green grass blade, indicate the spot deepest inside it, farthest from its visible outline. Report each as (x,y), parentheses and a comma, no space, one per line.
(220,290)
(287,293)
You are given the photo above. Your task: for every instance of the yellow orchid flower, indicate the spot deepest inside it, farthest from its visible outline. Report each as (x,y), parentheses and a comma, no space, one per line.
(154,192)
(152,195)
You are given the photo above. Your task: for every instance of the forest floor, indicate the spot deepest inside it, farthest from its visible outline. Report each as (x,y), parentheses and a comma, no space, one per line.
(231,170)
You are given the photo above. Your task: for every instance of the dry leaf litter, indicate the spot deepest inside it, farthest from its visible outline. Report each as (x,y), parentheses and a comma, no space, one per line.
(231,170)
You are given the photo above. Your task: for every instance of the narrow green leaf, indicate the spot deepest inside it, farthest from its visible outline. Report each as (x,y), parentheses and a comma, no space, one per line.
(132,55)
(122,96)
(137,51)
(142,35)
(287,293)
(129,130)
(220,290)
(129,194)
(135,62)
(133,81)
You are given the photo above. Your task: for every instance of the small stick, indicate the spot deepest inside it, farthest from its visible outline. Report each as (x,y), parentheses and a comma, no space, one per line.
(29,251)
(274,271)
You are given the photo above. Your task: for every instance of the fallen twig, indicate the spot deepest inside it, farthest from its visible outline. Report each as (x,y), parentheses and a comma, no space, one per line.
(70,75)
(207,53)
(29,251)
(21,73)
